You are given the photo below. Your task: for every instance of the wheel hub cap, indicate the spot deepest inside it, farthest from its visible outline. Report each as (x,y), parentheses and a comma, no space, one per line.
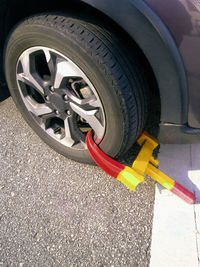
(56,102)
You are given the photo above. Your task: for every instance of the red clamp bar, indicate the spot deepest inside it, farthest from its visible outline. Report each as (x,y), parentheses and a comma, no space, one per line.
(107,164)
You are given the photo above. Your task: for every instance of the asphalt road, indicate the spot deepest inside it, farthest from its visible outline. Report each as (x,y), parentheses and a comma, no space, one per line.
(57,212)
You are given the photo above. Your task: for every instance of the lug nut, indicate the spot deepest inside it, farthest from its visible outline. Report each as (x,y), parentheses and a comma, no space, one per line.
(68,112)
(47,98)
(57,112)
(52,89)
(65,97)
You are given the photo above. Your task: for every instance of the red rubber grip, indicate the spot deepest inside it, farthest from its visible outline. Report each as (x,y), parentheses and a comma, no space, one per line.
(109,165)
(183,193)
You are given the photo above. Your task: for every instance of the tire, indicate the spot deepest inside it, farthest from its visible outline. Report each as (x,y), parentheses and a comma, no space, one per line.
(113,79)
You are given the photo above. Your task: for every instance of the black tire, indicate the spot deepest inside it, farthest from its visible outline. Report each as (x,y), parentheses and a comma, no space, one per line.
(119,80)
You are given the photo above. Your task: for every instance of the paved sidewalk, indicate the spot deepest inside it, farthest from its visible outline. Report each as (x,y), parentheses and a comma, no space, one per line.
(176,224)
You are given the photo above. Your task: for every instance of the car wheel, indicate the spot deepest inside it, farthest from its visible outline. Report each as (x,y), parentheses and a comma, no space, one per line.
(67,76)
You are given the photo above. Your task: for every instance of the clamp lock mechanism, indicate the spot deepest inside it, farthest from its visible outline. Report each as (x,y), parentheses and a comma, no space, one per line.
(143,164)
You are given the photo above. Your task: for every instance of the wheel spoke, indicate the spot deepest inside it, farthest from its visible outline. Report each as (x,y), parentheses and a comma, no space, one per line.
(68,140)
(64,69)
(90,117)
(32,79)
(51,62)
(88,109)
(35,108)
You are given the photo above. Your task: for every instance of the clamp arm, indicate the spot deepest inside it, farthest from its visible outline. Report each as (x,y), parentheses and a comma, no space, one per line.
(143,164)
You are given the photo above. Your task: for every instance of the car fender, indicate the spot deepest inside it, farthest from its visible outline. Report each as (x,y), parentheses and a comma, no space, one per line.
(145,27)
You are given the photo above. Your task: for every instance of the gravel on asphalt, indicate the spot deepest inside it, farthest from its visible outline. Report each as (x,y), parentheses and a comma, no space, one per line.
(57,212)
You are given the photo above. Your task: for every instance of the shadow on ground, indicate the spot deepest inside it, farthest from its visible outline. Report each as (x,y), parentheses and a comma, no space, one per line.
(4,92)
(182,163)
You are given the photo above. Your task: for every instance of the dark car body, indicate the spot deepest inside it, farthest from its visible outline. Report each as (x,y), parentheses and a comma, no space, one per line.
(167,32)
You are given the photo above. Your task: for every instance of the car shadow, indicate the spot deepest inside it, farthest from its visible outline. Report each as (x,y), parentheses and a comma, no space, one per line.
(4,92)
(176,162)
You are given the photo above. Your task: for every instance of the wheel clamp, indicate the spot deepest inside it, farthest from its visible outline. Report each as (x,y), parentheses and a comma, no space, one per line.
(143,164)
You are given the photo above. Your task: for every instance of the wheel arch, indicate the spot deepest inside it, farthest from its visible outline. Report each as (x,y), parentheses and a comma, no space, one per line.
(154,39)
(150,34)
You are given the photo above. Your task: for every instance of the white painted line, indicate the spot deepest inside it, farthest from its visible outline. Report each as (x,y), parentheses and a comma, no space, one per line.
(195,177)
(175,233)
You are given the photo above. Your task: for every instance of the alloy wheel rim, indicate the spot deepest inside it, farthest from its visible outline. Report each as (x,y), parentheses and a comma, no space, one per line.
(59,96)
